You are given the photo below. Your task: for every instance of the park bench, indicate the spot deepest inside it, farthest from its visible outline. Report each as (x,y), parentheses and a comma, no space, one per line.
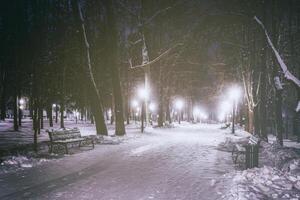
(65,137)
(249,150)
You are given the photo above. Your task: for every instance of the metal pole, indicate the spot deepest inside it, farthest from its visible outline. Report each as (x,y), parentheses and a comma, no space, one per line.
(143,116)
(233,116)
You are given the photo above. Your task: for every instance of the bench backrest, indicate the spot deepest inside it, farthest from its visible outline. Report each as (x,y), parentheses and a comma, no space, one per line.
(64,134)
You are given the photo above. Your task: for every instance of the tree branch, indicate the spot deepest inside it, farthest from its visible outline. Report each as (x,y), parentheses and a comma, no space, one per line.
(157,58)
(160,12)
(287,74)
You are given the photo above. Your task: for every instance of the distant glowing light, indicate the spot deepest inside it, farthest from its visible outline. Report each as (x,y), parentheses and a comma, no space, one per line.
(134,103)
(221,116)
(225,107)
(199,113)
(235,93)
(196,112)
(143,93)
(179,104)
(22,101)
(54,105)
(152,107)
(76,113)
(203,116)
(22,107)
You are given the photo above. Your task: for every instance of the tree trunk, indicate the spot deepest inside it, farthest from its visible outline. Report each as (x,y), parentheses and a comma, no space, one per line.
(49,113)
(112,45)
(97,116)
(127,104)
(3,95)
(35,125)
(15,110)
(251,121)
(278,111)
(96,106)
(143,116)
(41,118)
(56,114)
(62,110)
(19,111)
(168,113)
(112,110)
(20,115)
(161,99)
(263,84)
(278,88)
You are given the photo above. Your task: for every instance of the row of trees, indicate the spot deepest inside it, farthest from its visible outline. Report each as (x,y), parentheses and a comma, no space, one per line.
(92,55)
(272,96)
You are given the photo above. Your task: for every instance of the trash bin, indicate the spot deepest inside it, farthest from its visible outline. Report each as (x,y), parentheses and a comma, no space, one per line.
(251,156)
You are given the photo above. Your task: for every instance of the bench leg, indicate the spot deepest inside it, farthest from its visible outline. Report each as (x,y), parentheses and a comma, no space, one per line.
(93,143)
(50,148)
(236,157)
(79,144)
(66,148)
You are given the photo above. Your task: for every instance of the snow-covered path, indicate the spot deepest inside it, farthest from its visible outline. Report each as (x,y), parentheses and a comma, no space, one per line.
(176,163)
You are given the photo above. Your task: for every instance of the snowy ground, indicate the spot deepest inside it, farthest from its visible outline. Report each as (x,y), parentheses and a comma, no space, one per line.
(175,163)
(182,162)
(278,175)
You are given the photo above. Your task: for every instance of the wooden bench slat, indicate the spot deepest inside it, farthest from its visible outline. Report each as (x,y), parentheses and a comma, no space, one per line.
(66,136)
(69,140)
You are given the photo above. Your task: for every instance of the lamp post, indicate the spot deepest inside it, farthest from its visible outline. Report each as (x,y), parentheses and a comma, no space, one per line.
(225,108)
(152,108)
(55,107)
(21,108)
(76,116)
(196,114)
(134,105)
(234,95)
(199,114)
(137,113)
(179,105)
(143,95)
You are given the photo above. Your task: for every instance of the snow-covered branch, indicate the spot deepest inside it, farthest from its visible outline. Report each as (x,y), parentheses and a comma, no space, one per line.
(160,12)
(157,58)
(287,74)
(87,45)
(298,107)
(145,54)
(156,14)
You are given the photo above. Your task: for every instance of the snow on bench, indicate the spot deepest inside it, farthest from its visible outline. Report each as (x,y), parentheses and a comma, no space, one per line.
(63,137)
